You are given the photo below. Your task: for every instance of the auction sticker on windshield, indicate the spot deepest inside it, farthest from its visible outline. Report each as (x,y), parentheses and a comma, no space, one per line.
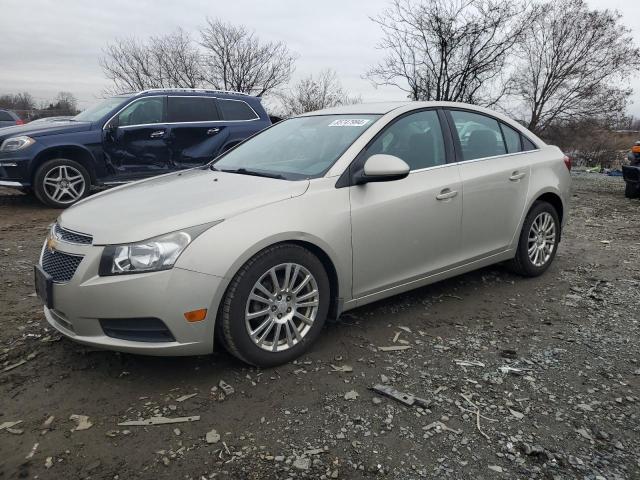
(349,122)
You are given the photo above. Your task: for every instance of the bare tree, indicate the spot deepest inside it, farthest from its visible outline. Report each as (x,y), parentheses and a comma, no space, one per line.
(170,60)
(452,50)
(21,101)
(575,62)
(66,103)
(314,93)
(236,59)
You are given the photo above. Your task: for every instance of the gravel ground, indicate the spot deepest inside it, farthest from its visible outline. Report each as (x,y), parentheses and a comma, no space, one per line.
(519,378)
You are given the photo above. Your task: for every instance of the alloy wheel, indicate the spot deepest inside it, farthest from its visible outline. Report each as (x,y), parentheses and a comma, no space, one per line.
(64,184)
(282,307)
(542,239)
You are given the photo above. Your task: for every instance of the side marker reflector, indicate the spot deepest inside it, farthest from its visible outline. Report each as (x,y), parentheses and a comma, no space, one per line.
(196,315)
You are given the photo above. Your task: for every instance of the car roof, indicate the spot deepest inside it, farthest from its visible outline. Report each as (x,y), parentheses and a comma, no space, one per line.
(378,108)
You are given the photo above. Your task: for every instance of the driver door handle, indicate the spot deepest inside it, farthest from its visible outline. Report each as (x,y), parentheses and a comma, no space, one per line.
(157,134)
(446,194)
(515,176)
(213,131)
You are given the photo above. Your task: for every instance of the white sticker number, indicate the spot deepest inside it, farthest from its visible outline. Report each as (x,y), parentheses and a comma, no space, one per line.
(349,122)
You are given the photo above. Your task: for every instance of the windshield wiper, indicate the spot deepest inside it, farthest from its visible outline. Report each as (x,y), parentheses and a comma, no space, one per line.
(244,171)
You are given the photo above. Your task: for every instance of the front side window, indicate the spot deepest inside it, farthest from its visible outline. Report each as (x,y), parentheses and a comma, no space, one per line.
(302,147)
(480,136)
(415,138)
(99,110)
(192,109)
(145,111)
(236,110)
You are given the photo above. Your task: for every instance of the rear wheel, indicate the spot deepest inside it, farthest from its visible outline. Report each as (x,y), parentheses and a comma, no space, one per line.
(60,183)
(538,240)
(632,190)
(275,306)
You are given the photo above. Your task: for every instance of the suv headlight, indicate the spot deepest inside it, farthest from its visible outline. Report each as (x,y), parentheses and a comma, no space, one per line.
(16,143)
(155,254)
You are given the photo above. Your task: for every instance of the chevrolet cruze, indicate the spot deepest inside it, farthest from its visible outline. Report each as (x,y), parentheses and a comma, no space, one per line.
(312,217)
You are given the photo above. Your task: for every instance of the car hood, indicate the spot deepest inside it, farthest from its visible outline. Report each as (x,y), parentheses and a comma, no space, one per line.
(46,128)
(159,205)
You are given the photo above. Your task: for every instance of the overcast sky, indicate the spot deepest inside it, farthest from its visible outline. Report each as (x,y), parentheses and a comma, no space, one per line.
(52,45)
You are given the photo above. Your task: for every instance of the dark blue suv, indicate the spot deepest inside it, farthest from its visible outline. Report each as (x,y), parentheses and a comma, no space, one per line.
(126,138)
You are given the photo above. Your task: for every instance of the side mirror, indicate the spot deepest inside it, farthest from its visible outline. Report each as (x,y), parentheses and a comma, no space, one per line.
(382,168)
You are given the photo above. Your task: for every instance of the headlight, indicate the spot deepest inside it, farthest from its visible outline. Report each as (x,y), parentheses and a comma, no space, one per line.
(16,143)
(155,254)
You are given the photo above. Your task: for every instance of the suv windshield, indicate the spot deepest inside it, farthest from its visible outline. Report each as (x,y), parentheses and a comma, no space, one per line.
(99,110)
(303,147)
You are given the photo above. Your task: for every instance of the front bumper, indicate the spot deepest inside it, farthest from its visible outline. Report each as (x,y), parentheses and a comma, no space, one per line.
(14,171)
(80,304)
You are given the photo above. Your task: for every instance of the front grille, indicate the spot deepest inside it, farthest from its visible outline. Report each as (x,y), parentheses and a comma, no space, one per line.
(61,266)
(72,237)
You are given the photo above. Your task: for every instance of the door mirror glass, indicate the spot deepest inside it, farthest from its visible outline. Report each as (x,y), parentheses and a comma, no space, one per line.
(383,168)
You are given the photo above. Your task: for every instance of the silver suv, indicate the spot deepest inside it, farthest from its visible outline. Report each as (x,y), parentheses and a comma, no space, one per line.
(312,217)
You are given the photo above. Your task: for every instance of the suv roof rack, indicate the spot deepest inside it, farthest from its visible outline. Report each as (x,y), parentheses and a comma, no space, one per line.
(197,90)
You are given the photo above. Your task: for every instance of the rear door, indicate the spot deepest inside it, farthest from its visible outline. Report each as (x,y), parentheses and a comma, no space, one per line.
(197,133)
(405,229)
(495,175)
(135,140)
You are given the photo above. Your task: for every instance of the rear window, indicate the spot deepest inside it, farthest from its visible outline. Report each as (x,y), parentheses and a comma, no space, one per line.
(192,109)
(236,110)
(5,117)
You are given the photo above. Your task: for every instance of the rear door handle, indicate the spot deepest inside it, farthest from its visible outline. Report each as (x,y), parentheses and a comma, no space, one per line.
(157,134)
(213,131)
(446,194)
(515,176)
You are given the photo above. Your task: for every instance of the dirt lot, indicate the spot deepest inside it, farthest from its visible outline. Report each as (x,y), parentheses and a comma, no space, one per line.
(571,411)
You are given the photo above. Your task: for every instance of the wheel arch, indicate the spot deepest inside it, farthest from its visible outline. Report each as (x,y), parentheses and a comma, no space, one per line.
(77,153)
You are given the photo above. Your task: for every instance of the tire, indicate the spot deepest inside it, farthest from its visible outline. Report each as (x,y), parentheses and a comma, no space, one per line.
(60,183)
(632,190)
(523,264)
(271,314)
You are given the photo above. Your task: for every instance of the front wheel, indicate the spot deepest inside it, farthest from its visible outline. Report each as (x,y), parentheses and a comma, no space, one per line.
(275,306)
(60,183)
(538,240)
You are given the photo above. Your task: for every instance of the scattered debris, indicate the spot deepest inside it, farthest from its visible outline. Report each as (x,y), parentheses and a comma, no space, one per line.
(226,388)
(342,368)
(7,425)
(158,421)
(46,425)
(351,395)
(468,363)
(48,463)
(32,452)
(439,426)
(516,414)
(406,398)
(82,422)
(394,348)
(213,437)
(31,356)
(186,397)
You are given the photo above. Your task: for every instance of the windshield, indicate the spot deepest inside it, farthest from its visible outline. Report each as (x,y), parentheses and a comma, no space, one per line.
(96,112)
(303,147)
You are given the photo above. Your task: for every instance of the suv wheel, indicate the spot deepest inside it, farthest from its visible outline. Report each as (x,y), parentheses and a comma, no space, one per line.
(60,183)
(538,241)
(275,306)
(632,190)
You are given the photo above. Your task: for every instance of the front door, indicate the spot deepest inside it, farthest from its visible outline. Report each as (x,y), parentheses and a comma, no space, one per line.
(495,178)
(135,141)
(405,229)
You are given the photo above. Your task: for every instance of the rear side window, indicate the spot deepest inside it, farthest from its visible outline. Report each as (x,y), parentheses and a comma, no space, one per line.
(480,136)
(512,138)
(236,110)
(5,117)
(528,144)
(415,138)
(192,109)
